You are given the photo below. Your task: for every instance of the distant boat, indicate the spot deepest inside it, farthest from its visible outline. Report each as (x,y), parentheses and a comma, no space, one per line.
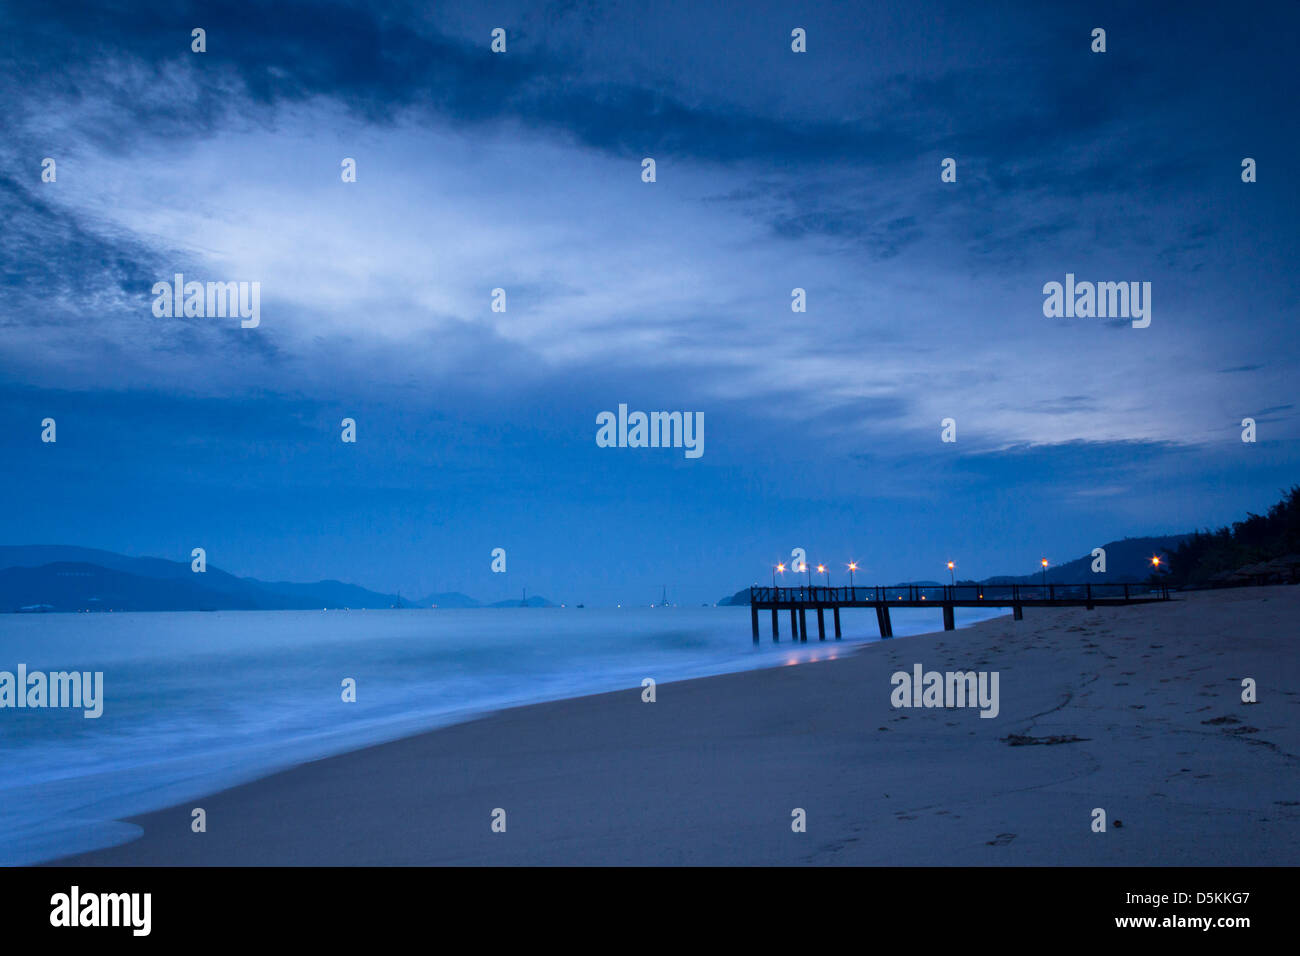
(663,601)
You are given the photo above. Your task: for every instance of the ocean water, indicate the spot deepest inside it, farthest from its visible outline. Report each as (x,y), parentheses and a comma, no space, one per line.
(196,702)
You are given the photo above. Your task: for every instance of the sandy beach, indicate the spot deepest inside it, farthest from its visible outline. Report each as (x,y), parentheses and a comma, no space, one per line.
(711,772)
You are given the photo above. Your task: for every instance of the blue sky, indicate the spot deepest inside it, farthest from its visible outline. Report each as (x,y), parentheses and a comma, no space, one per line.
(522,170)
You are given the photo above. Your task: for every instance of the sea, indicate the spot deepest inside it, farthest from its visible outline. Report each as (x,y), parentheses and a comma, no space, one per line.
(196,702)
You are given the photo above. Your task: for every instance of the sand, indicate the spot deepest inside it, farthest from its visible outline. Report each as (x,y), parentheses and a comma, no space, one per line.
(711,772)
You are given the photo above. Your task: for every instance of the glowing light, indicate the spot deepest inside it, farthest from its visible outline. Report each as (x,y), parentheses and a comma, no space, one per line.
(1155,562)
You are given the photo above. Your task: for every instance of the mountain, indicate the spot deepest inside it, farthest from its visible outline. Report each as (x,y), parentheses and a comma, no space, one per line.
(76,579)
(77,586)
(1127,560)
(739,599)
(66,578)
(328,594)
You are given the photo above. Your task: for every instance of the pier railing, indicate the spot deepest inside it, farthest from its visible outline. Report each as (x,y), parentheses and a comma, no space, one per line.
(799,600)
(993,594)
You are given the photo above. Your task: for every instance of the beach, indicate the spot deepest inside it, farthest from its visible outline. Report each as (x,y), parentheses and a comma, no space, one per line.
(1137,711)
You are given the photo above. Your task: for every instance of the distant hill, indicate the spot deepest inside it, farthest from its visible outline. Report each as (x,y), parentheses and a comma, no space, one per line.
(78,579)
(1128,559)
(739,599)
(77,586)
(68,578)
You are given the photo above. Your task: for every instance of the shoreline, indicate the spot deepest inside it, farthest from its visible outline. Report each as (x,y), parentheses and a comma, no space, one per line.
(711,772)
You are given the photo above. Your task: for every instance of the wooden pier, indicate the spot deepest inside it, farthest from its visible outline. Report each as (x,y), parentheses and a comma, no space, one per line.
(798,601)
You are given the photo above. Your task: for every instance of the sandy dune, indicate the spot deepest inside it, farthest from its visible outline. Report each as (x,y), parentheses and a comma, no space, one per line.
(709,774)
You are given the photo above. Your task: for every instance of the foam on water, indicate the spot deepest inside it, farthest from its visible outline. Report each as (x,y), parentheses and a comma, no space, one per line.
(197,702)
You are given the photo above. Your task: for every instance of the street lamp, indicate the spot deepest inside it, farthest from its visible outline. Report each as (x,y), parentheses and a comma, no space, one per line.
(779,567)
(1156,576)
(853,566)
(1044,572)
(821,569)
(951,574)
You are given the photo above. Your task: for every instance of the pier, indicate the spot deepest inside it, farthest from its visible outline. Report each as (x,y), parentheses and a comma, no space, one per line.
(799,601)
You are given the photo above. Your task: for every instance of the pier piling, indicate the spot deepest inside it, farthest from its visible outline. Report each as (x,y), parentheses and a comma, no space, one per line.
(882,618)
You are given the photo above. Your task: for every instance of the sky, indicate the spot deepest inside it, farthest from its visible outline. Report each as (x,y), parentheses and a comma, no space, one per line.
(523,170)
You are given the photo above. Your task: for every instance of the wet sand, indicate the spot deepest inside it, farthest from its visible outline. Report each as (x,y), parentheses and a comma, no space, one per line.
(711,772)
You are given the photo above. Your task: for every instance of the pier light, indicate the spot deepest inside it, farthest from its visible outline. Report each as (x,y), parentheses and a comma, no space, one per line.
(1155,561)
(853,566)
(1044,572)
(952,577)
(778,569)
